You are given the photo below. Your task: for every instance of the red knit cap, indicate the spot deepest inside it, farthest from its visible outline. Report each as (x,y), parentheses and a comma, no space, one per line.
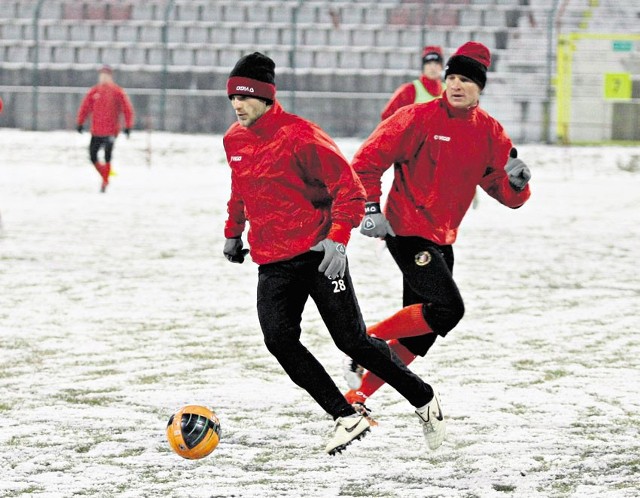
(471,60)
(476,51)
(432,53)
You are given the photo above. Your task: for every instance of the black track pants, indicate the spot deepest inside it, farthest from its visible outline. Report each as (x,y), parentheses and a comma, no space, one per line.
(98,143)
(283,290)
(431,284)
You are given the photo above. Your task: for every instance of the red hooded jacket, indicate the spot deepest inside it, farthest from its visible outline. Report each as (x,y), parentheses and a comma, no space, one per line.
(290,181)
(105,103)
(440,155)
(406,95)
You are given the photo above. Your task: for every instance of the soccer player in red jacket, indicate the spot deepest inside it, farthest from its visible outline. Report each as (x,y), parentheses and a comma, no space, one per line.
(440,151)
(106,102)
(302,199)
(424,89)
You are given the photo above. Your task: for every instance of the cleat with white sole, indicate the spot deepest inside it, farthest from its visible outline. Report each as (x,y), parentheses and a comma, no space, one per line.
(347,430)
(432,421)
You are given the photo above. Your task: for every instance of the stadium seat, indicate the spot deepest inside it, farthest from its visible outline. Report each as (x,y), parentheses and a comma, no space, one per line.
(187,12)
(470,17)
(182,56)
(326,59)
(363,38)
(143,11)
(150,33)
(233,13)
(222,35)
(386,38)
(88,55)
(177,33)
(134,55)
(155,56)
(82,32)
(127,33)
(259,13)
(58,32)
(64,54)
(374,60)
(350,60)
(340,37)
(268,36)
(206,57)
(316,36)
(12,30)
(111,55)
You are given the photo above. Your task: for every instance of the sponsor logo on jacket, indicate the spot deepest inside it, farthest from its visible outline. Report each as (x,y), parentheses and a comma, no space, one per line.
(442,138)
(235,159)
(242,88)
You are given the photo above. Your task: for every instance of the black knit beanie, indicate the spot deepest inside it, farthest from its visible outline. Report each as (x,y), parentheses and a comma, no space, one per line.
(253,76)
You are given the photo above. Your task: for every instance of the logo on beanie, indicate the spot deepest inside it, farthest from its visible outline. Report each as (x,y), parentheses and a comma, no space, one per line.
(242,88)
(442,137)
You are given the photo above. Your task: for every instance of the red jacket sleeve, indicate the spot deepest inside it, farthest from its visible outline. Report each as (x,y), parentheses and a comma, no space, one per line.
(234,226)
(86,107)
(495,181)
(127,109)
(324,162)
(395,140)
(405,95)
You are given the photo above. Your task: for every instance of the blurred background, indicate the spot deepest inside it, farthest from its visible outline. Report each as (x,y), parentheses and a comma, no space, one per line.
(563,71)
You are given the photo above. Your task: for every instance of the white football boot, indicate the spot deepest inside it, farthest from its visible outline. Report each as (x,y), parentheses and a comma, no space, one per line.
(432,421)
(347,430)
(352,373)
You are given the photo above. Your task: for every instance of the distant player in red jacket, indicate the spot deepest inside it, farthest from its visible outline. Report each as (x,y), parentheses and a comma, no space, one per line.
(440,151)
(301,199)
(106,102)
(424,89)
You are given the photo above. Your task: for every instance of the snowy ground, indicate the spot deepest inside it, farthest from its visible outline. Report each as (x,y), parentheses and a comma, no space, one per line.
(117,309)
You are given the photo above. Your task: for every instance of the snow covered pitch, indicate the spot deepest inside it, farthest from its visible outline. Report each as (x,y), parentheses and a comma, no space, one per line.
(117,309)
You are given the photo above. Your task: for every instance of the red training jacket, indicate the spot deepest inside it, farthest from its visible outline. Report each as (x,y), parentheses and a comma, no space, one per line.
(292,184)
(406,95)
(440,155)
(105,103)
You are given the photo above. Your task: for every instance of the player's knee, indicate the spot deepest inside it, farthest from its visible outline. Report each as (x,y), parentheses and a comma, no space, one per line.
(444,317)
(279,346)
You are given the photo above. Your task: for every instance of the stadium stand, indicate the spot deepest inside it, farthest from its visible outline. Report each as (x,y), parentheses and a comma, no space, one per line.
(341,45)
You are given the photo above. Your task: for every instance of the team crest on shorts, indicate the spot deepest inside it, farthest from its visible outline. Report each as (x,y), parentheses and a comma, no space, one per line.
(423,258)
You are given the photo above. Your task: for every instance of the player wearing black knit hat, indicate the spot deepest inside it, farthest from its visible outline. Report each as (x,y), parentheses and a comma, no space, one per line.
(301,199)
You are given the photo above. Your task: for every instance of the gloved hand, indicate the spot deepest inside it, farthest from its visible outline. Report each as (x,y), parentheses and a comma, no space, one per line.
(233,250)
(518,172)
(375,224)
(127,132)
(334,263)
(80,128)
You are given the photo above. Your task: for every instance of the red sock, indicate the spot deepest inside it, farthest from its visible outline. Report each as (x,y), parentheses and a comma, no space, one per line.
(408,322)
(371,382)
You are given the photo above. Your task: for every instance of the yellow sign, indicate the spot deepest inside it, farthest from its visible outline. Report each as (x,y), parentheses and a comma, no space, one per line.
(617,86)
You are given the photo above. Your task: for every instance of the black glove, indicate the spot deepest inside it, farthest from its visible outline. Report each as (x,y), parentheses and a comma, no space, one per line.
(233,250)
(127,132)
(80,128)
(375,224)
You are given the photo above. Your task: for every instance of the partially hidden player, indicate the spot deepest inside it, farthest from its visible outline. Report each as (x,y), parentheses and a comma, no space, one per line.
(440,152)
(424,89)
(302,199)
(106,102)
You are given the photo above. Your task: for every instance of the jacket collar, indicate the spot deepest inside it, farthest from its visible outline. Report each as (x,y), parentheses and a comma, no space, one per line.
(454,112)
(268,123)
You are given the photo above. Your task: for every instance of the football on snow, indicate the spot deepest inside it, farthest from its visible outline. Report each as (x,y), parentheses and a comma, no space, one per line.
(193,431)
